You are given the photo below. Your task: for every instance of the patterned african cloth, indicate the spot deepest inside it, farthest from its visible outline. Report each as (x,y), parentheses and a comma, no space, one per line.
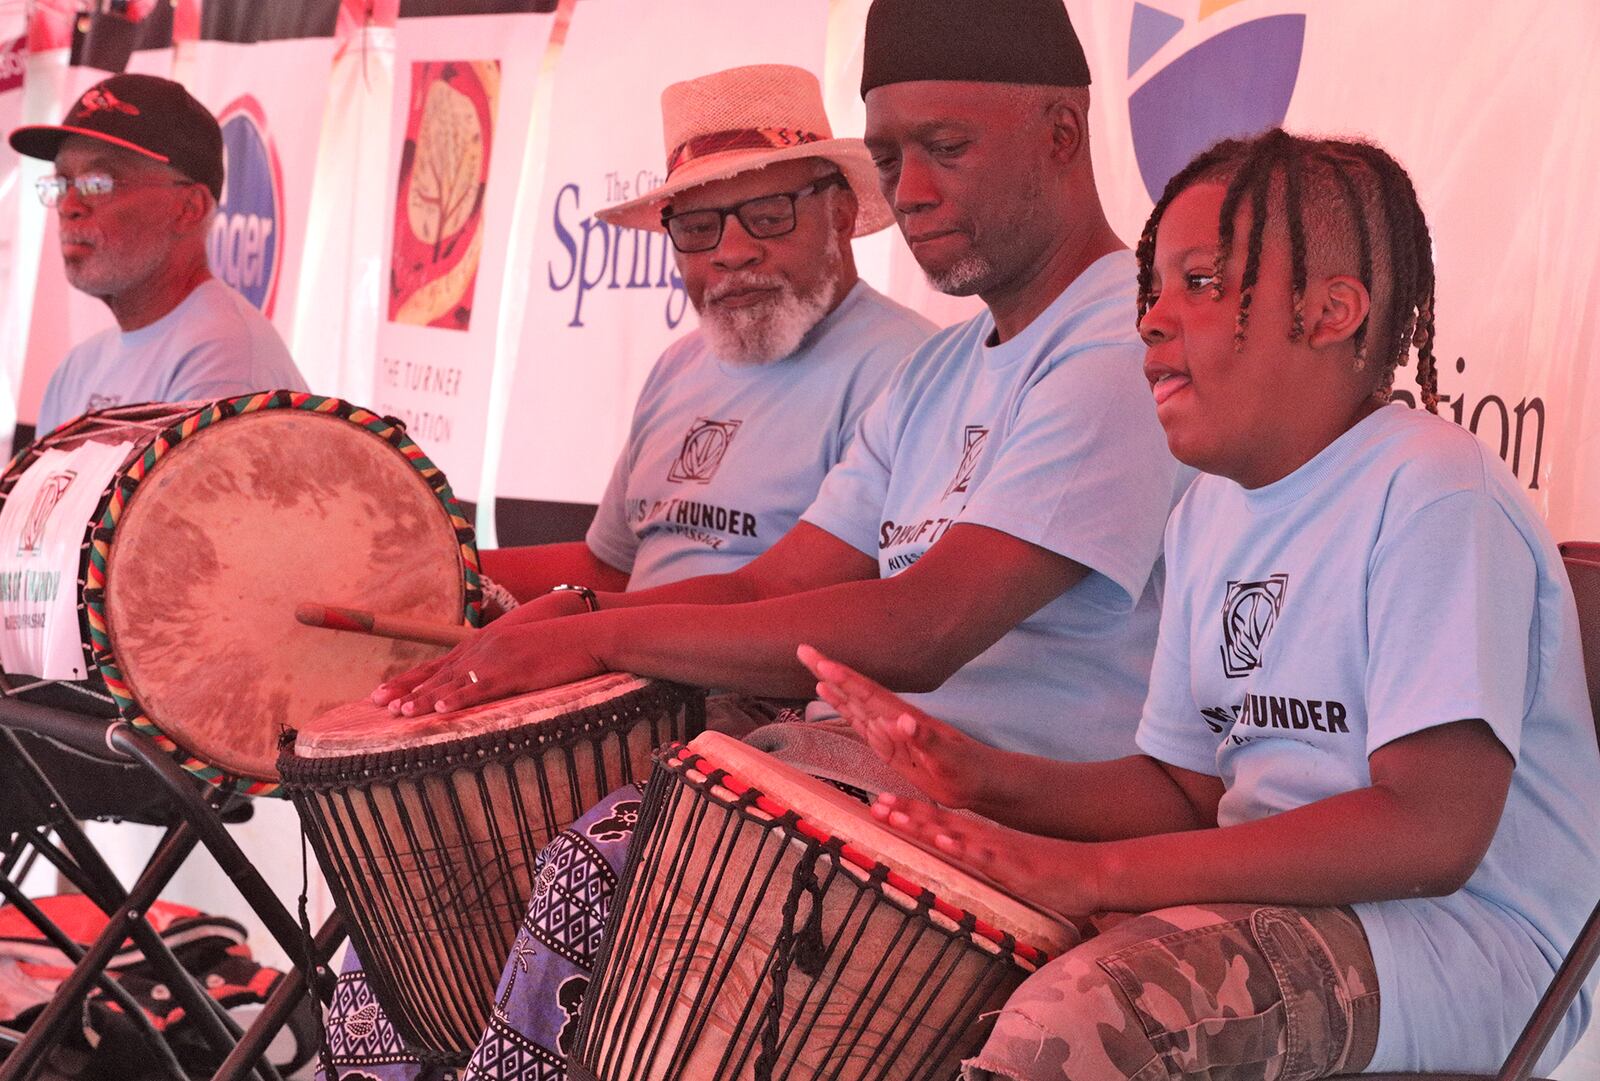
(535,1014)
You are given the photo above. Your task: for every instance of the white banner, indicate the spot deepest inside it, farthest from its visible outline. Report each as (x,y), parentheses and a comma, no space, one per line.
(464,89)
(337,315)
(13,62)
(604,302)
(1489,106)
(258,238)
(41,537)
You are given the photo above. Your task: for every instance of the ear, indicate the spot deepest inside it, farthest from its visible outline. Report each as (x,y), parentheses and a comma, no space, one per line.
(1342,306)
(845,209)
(196,204)
(1069,127)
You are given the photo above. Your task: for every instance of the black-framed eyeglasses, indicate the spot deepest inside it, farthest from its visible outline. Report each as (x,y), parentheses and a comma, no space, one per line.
(92,186)
(764,217)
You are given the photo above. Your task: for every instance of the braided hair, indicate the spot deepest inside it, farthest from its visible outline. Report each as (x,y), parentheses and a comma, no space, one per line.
(1328,189)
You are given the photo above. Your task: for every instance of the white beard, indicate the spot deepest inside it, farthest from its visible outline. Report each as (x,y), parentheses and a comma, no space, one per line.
(962,278)
(110,274)
(772,329)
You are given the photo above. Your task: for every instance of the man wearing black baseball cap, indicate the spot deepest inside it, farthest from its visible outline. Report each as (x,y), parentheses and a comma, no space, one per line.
(139,171)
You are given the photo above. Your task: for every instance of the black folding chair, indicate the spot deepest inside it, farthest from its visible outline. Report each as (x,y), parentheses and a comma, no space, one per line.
(60,765)
(1580,960)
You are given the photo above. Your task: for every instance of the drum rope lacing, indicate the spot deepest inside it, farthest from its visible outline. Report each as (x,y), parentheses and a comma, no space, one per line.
(750,799)
(316,972)
(783,1007)
(805,950)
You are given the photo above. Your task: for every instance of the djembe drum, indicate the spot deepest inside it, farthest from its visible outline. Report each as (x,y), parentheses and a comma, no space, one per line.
(427,828)
(767,926)
(156,554)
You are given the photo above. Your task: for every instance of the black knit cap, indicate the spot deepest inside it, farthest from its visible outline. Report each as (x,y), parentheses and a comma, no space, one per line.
(981,41)
(148,115)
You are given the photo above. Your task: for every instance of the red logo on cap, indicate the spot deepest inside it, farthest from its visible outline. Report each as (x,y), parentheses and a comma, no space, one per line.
(97,100)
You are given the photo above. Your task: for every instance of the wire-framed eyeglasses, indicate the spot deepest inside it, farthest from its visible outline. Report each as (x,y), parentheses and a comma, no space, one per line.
(92,186)
(763,217)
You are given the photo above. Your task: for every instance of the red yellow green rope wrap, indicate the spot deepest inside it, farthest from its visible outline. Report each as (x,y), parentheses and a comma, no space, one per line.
(100,650)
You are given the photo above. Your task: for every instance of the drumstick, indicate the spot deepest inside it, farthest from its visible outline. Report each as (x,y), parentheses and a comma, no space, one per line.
(402,627)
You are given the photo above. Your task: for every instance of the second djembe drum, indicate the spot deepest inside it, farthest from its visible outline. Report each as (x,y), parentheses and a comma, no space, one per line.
(768,927)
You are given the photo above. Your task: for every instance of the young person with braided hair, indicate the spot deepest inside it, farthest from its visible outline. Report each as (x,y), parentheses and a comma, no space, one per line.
(1363,826)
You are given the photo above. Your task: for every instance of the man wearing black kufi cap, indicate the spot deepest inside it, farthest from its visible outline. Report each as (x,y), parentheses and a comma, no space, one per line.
(1028,431)
(978,125)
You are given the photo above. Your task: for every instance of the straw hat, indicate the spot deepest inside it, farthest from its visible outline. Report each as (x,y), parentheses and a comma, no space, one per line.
(742,119)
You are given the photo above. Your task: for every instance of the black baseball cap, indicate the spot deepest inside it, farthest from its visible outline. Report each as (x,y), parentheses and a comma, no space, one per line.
(149,115)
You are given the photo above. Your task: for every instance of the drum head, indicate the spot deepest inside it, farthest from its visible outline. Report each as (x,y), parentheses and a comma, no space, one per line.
(831,810)
(361,728)
(231,529)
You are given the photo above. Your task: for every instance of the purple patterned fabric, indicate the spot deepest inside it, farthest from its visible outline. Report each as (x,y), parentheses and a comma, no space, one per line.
(541,989)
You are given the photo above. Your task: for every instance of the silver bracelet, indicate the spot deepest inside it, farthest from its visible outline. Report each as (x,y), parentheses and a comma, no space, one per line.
(588,595)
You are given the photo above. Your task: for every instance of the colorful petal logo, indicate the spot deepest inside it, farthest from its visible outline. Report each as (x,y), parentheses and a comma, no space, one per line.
(1233,84)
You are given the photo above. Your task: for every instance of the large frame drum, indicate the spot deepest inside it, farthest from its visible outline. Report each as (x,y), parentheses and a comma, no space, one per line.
(180,583)
(427,828)
(766,926)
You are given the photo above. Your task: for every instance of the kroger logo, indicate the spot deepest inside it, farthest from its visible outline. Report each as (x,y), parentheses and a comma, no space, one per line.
(245,239)
(1234,83)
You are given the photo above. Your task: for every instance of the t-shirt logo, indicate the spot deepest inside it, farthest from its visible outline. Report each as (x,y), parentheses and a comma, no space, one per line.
(1249,612)
(50,493)
(703,451)
(972,442)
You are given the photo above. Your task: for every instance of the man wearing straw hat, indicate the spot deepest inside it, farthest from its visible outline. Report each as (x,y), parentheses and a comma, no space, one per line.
(736,426)
(741,419)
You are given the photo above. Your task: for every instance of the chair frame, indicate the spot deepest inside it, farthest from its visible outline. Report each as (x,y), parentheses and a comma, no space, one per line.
(62,842)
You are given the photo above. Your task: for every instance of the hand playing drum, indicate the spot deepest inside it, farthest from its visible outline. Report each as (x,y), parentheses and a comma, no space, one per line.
(946,763)
(526,650)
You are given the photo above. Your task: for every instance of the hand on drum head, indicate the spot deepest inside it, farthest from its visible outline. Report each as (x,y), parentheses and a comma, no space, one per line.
(503,659)
(1060,876)
(942,761)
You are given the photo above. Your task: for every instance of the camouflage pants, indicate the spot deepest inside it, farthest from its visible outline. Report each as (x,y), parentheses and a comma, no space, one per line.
(1197,993)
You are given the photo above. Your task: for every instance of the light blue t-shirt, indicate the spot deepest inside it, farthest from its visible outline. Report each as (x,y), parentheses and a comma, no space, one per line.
(213,344)
(1052,438)
(1397,581)
(722,457)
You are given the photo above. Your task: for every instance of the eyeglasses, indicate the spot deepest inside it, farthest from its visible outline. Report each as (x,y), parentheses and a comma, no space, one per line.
(764,217)
(92,186)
